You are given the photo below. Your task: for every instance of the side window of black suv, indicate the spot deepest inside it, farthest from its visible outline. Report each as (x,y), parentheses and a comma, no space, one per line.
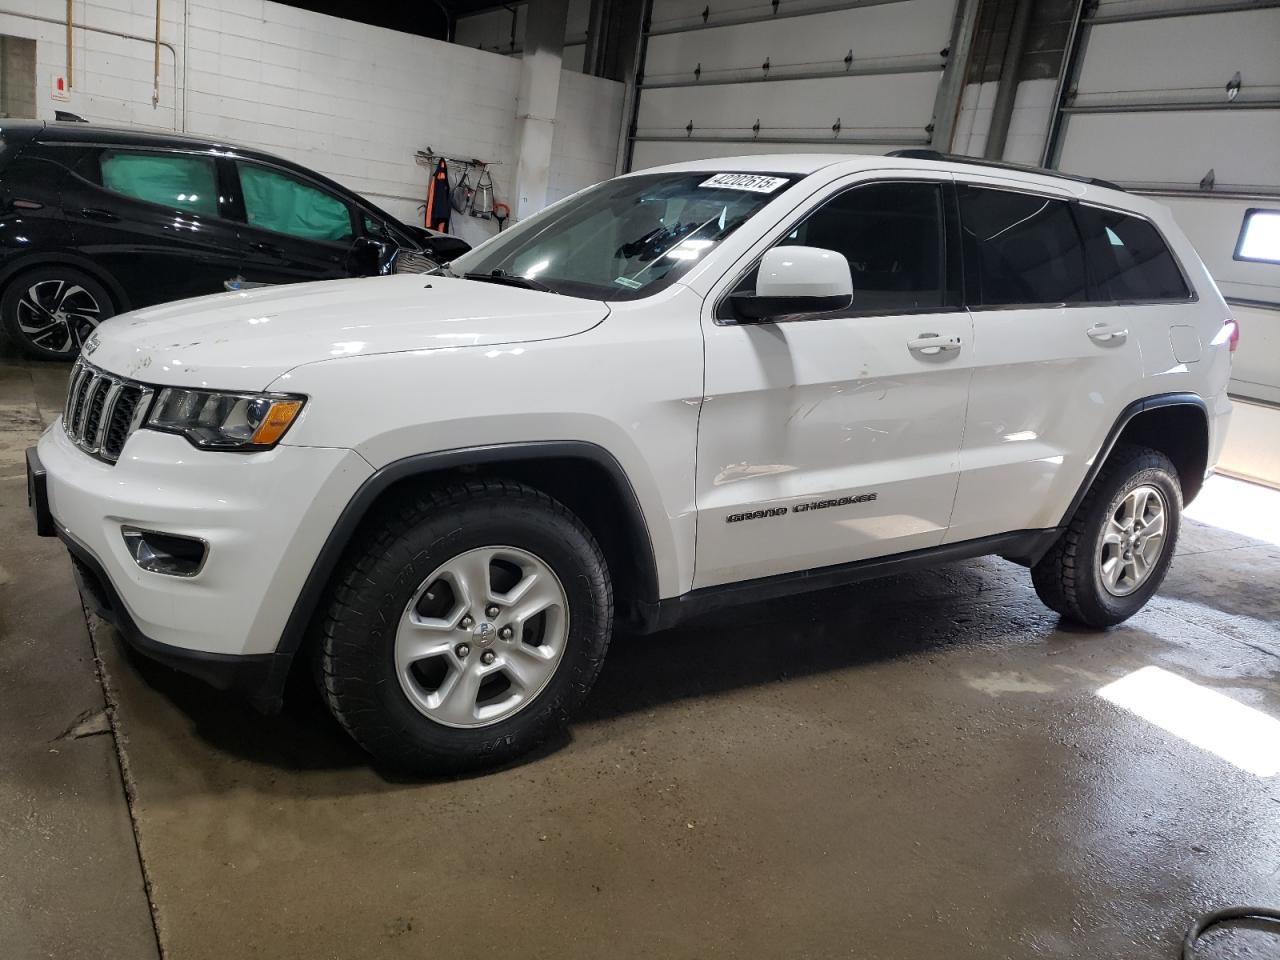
(175,180)
(276,201)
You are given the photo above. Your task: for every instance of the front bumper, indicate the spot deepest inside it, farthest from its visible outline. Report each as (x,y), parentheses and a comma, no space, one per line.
(264,516)
(257,677)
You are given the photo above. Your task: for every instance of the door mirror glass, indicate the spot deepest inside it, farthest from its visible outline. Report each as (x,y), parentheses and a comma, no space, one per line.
(796,279)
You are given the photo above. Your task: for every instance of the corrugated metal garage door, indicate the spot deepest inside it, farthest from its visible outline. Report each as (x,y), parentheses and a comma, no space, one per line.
(1181,100)
(724,77)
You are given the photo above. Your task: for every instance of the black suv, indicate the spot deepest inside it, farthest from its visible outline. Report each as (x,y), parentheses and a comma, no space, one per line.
(95,221)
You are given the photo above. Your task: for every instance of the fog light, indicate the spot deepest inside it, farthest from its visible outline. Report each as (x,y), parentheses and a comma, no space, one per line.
(165,553)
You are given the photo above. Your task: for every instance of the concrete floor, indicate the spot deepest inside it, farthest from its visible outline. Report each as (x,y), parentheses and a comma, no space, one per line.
(917,767)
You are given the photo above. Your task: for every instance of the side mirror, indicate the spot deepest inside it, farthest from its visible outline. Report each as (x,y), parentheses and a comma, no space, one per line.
(797,280)
(366,257)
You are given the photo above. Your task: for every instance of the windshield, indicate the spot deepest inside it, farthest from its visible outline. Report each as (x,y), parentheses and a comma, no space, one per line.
(623,239)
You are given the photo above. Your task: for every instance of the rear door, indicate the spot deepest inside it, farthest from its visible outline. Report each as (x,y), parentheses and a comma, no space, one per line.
(293,229)
(1052,366)
(832,438)
(154,220)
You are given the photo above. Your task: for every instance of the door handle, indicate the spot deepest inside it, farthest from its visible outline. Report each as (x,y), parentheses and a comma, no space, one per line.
(933,344)
(94,213)
(270,248)
(1105,333)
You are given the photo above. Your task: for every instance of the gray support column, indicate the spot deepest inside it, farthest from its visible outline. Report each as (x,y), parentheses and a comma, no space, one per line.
(946,105)
(536,106)
(1007,90)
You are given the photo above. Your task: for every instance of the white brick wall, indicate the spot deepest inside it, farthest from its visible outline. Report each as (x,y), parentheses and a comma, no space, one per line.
(349,100)
(588,121)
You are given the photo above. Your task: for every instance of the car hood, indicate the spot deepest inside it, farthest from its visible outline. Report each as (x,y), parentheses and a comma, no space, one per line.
(246,339)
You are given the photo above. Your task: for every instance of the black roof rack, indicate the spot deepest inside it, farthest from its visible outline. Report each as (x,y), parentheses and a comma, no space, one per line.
(922,154)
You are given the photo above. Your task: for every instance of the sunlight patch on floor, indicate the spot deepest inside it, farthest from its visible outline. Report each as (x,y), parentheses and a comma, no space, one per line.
(1241,735)
(1249,509)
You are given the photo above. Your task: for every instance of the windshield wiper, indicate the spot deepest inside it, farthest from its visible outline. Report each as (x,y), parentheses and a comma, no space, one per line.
(510,280)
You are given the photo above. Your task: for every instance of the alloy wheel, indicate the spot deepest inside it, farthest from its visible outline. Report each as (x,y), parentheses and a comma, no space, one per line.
(481,636)
(57,315)
(1133,540)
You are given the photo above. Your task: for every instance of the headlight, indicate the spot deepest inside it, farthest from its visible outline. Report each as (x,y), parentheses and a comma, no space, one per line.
(225,421)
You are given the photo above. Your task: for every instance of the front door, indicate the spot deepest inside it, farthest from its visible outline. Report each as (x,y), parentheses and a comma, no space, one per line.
(294,231)
(834,438)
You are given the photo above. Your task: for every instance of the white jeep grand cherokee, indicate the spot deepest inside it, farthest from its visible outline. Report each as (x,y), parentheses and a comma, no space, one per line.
(704,384)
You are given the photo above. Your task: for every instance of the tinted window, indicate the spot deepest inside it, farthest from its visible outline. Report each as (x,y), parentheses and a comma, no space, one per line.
(891,234)
(1128,259)
(171,179)
(281,203)
(1020,249)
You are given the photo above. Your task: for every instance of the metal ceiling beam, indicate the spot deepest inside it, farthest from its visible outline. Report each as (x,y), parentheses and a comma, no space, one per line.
(1226,191)
(915,140)
(1167,106)
(1196,10)
(780,13)
(926,63)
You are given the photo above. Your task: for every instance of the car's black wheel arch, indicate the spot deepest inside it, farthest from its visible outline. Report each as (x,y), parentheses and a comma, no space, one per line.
(629,552)
(1147,422)
(119,299)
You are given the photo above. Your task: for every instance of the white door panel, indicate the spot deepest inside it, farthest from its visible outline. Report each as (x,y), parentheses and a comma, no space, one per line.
(802,412)
(830,440)
(656,153)
(807,107)
(1175,146)
(1043,396)
(1192,55)
(893,30)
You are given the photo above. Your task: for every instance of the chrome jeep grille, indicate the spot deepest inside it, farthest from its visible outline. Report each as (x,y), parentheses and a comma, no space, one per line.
(103,410)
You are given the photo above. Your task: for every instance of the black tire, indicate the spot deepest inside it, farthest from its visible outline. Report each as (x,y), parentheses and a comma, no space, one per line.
(1069,577)
(400,547)
(27,296)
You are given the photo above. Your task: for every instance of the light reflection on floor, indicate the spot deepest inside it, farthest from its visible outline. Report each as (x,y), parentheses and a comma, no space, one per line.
(1241,735)
(1246,508)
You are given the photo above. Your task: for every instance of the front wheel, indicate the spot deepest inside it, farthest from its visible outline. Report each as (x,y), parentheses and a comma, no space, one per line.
(467,626)
(1117,548)
(50,311)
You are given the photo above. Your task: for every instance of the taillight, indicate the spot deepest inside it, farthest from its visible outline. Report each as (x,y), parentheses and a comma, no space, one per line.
(1234,336)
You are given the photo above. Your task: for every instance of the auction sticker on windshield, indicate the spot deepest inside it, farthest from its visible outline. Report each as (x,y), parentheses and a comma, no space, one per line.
(744,181)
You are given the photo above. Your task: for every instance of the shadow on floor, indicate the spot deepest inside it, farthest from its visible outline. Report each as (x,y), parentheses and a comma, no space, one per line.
(985,601)
(963,605)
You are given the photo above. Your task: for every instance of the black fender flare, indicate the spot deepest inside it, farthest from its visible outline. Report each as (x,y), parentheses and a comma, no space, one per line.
(1126,416)
(81,263)
(357,508)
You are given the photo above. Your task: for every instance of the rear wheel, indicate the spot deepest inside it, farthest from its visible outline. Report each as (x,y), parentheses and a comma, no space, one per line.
(467,626)
(1118,546)
(50,311)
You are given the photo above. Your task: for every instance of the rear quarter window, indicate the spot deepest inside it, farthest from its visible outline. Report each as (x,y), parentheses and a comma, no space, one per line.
(1128,259)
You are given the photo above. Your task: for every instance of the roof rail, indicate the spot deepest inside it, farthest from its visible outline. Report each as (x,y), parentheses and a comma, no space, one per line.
(937,155)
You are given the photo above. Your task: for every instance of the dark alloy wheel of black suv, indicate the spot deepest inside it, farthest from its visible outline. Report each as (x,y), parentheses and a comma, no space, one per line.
(95,221)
